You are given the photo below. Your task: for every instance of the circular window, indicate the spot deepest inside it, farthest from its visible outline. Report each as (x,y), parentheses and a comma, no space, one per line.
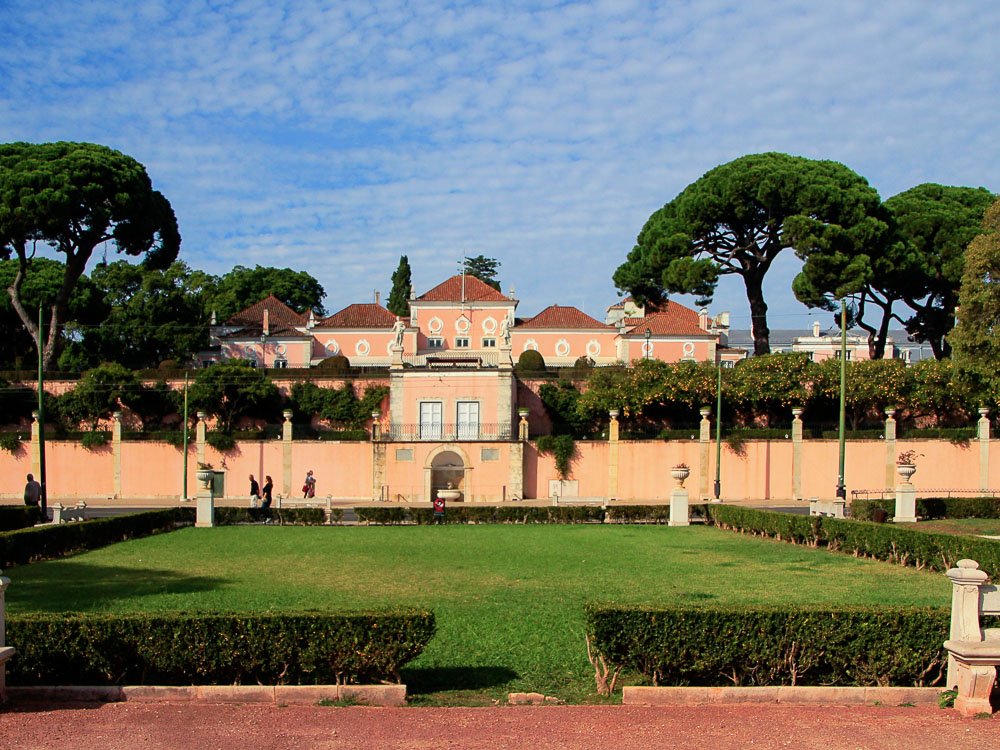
(593,348)
(362,348)
(562,347)
(434,325)
(647,348)
(332,347)
(489,325)
(688,348)
(462,325)
(530,344)
(281,349)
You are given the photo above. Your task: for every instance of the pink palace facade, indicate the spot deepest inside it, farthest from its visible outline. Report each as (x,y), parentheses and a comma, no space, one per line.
(464,322)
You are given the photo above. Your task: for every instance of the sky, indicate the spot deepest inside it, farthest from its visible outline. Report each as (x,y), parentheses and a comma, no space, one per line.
(333,137)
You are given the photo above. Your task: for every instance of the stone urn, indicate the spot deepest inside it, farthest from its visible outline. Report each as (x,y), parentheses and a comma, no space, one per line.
(449,495)
(205,476)
(906,471)
(680,473)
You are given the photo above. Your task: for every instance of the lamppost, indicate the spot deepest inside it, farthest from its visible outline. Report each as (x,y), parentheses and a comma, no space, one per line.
(718,435)
(841,487)
(647,335)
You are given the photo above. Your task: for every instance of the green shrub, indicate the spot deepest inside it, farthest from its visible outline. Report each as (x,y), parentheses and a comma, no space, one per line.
(221,441)
(28,545)
(531,361)
(338,364)
(18,517)
(563,450)
(863,509)
(10,442)
(770,646)
(280,516)
(462,514)
(639,514)
(184,649)
(896,544)
(95,439)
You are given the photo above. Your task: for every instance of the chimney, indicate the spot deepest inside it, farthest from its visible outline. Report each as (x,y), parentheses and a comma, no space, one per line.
(703,319)
(815,329)
(377,295)
(267,323)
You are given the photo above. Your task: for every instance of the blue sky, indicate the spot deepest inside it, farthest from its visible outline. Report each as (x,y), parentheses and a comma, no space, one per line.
(333,137)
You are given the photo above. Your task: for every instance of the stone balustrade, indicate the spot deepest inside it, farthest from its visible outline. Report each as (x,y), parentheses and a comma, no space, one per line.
(973,652)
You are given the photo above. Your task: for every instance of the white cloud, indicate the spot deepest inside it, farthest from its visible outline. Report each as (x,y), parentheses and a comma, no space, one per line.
(333,136)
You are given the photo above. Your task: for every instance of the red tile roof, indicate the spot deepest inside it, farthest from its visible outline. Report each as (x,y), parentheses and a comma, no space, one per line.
(360,315)
(476,290)
(673,320)
(557,316)
(280,317)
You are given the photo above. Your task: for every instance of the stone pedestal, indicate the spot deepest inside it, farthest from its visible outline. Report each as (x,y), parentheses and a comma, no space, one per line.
(679,512)
(906,503)
(205,517)
(397,358)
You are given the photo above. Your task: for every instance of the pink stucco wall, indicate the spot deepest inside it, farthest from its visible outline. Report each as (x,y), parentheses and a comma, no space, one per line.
(345,470)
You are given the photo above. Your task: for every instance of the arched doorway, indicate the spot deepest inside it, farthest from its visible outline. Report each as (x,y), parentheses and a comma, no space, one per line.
(447,467)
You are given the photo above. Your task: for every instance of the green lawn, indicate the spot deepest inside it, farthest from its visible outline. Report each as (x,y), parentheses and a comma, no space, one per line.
(509,599)
(962,526)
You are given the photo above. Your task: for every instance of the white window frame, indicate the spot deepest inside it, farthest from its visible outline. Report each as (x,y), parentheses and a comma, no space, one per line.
(435,342)
(431,420)
(462,342)
(467,423)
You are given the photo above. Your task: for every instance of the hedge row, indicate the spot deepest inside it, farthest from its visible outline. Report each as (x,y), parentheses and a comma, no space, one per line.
(462,514)
(769,646)
(279,516)
(185,649)
(931,507)
(897,544)
(18,517)
(28,545)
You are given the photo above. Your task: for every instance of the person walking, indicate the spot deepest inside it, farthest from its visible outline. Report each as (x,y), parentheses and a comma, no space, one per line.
(254,492)
(266,494)
(309,486)
(32,492)
(438,509)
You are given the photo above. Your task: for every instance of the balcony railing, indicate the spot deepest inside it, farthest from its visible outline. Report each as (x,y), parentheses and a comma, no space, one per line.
(412,433)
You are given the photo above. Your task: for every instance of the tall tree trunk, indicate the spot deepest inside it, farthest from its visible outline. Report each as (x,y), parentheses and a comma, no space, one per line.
(758,313)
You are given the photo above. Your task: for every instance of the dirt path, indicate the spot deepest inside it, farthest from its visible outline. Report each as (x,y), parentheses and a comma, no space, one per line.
(131,726)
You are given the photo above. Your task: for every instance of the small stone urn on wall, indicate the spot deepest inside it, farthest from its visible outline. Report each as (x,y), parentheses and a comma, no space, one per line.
(906,493)
(680,472)
(679,508)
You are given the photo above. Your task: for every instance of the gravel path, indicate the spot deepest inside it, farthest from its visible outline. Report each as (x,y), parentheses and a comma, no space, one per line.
(132,726)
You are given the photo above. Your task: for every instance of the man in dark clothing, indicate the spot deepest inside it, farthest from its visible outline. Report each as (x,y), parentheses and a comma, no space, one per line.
(32,492)
(254,492)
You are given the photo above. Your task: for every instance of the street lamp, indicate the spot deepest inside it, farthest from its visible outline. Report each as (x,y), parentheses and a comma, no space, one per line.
(841,487)
(647,335)
(718,435)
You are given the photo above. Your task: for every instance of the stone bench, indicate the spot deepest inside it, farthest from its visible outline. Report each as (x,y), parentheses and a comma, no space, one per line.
(5,651)
(63,514)
(829,508)
(307,502)
(599,501)
(973,652)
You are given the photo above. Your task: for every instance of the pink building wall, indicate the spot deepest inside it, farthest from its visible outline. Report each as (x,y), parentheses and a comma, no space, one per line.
(762,471)
(566,346)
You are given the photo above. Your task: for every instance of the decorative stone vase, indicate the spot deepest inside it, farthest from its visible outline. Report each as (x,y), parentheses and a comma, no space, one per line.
(680,473)
(449,495)
(906,471)
(205,476)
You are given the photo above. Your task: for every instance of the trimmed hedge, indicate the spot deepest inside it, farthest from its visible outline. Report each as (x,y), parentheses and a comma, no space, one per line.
(185,649)
(896,544)
(42,542)
(458,514)
(280,516)
(931,507)
(770,646)
(18,517)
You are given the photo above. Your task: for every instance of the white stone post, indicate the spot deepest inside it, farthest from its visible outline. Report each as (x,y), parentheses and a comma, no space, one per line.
(984,448)
(116,449)
(890,448)
(199,433)
(797,452)
(906,497)
(36,465)
(679,510)
(522,425)
(205,514)
(613,454)
(286,454)
(704,451)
